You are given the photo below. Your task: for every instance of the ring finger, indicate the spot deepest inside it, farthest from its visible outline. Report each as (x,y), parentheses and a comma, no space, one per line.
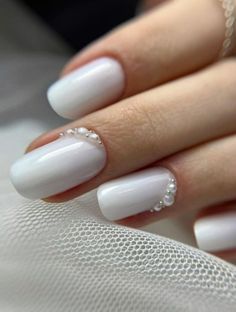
(206,177)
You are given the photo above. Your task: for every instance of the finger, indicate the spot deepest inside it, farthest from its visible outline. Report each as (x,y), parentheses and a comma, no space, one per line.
(153,3)
(136,132)
(150,4)
(204,176)
(175,39)
(215,230)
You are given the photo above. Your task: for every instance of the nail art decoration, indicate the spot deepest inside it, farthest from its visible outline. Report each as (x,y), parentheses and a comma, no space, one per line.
(141,191)
(91,135)
(169,197)
(75,157)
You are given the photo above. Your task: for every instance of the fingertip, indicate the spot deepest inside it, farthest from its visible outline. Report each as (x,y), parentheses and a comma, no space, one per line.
(216,233)
(88,88)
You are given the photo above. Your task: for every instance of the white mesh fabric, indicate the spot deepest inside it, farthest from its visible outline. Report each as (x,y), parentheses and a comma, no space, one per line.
(65,257)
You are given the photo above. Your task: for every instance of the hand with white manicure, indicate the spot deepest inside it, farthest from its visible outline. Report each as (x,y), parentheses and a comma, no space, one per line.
(154,109)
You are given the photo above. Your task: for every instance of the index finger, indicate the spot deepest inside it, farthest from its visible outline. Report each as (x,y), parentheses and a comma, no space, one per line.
(175,39)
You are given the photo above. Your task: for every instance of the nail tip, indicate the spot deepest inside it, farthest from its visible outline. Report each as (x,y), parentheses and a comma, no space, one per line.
(44,171)
(87,88)
(13,174)
(102,202)
(15,180)
(196,234)
(200,236)
(53,102)
(216,232)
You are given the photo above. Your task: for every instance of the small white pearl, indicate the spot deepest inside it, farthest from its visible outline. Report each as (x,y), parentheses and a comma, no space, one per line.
(159,206)
(94,136)
(172,187)
(70,131)
(168,200)
(82,130)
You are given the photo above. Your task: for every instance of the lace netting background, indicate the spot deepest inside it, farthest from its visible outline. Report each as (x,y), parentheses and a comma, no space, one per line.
(67,258)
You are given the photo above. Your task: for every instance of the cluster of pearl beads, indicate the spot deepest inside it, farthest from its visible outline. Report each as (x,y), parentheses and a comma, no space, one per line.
(169,196)
(84,132)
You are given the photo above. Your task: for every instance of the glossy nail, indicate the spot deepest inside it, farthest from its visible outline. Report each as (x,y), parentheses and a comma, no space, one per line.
(216,232)
(75,157)
(151,189)
(88,88)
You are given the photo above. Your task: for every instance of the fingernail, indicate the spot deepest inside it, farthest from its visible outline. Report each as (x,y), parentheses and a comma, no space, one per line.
(88,88)
(75,157)
(151,189)
(216,232)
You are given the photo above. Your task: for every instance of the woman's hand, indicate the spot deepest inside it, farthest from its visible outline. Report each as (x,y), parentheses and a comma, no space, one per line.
(162,110)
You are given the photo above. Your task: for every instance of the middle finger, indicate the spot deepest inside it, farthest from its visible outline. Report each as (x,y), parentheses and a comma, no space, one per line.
(136,132)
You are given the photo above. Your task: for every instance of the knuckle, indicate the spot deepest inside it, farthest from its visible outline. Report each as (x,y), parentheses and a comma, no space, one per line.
(146,121)
(137,123)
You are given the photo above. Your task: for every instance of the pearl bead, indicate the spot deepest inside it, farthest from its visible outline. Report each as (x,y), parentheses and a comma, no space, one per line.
(172,188)
(157,207)
(82,130)
(70,131)
(168,200)
(94,136)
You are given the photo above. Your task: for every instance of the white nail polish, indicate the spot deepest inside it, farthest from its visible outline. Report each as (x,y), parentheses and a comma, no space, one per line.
(216,232)
(88,88)
(138,192)
(60,165)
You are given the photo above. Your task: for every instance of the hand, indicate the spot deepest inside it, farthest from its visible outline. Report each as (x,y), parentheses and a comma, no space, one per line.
(163,105)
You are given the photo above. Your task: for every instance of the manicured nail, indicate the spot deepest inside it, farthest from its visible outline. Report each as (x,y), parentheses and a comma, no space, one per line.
(75,157)
(151,189)
(216,232)
(88,88)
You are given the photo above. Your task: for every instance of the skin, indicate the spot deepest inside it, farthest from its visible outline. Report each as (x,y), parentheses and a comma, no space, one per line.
(173,76)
